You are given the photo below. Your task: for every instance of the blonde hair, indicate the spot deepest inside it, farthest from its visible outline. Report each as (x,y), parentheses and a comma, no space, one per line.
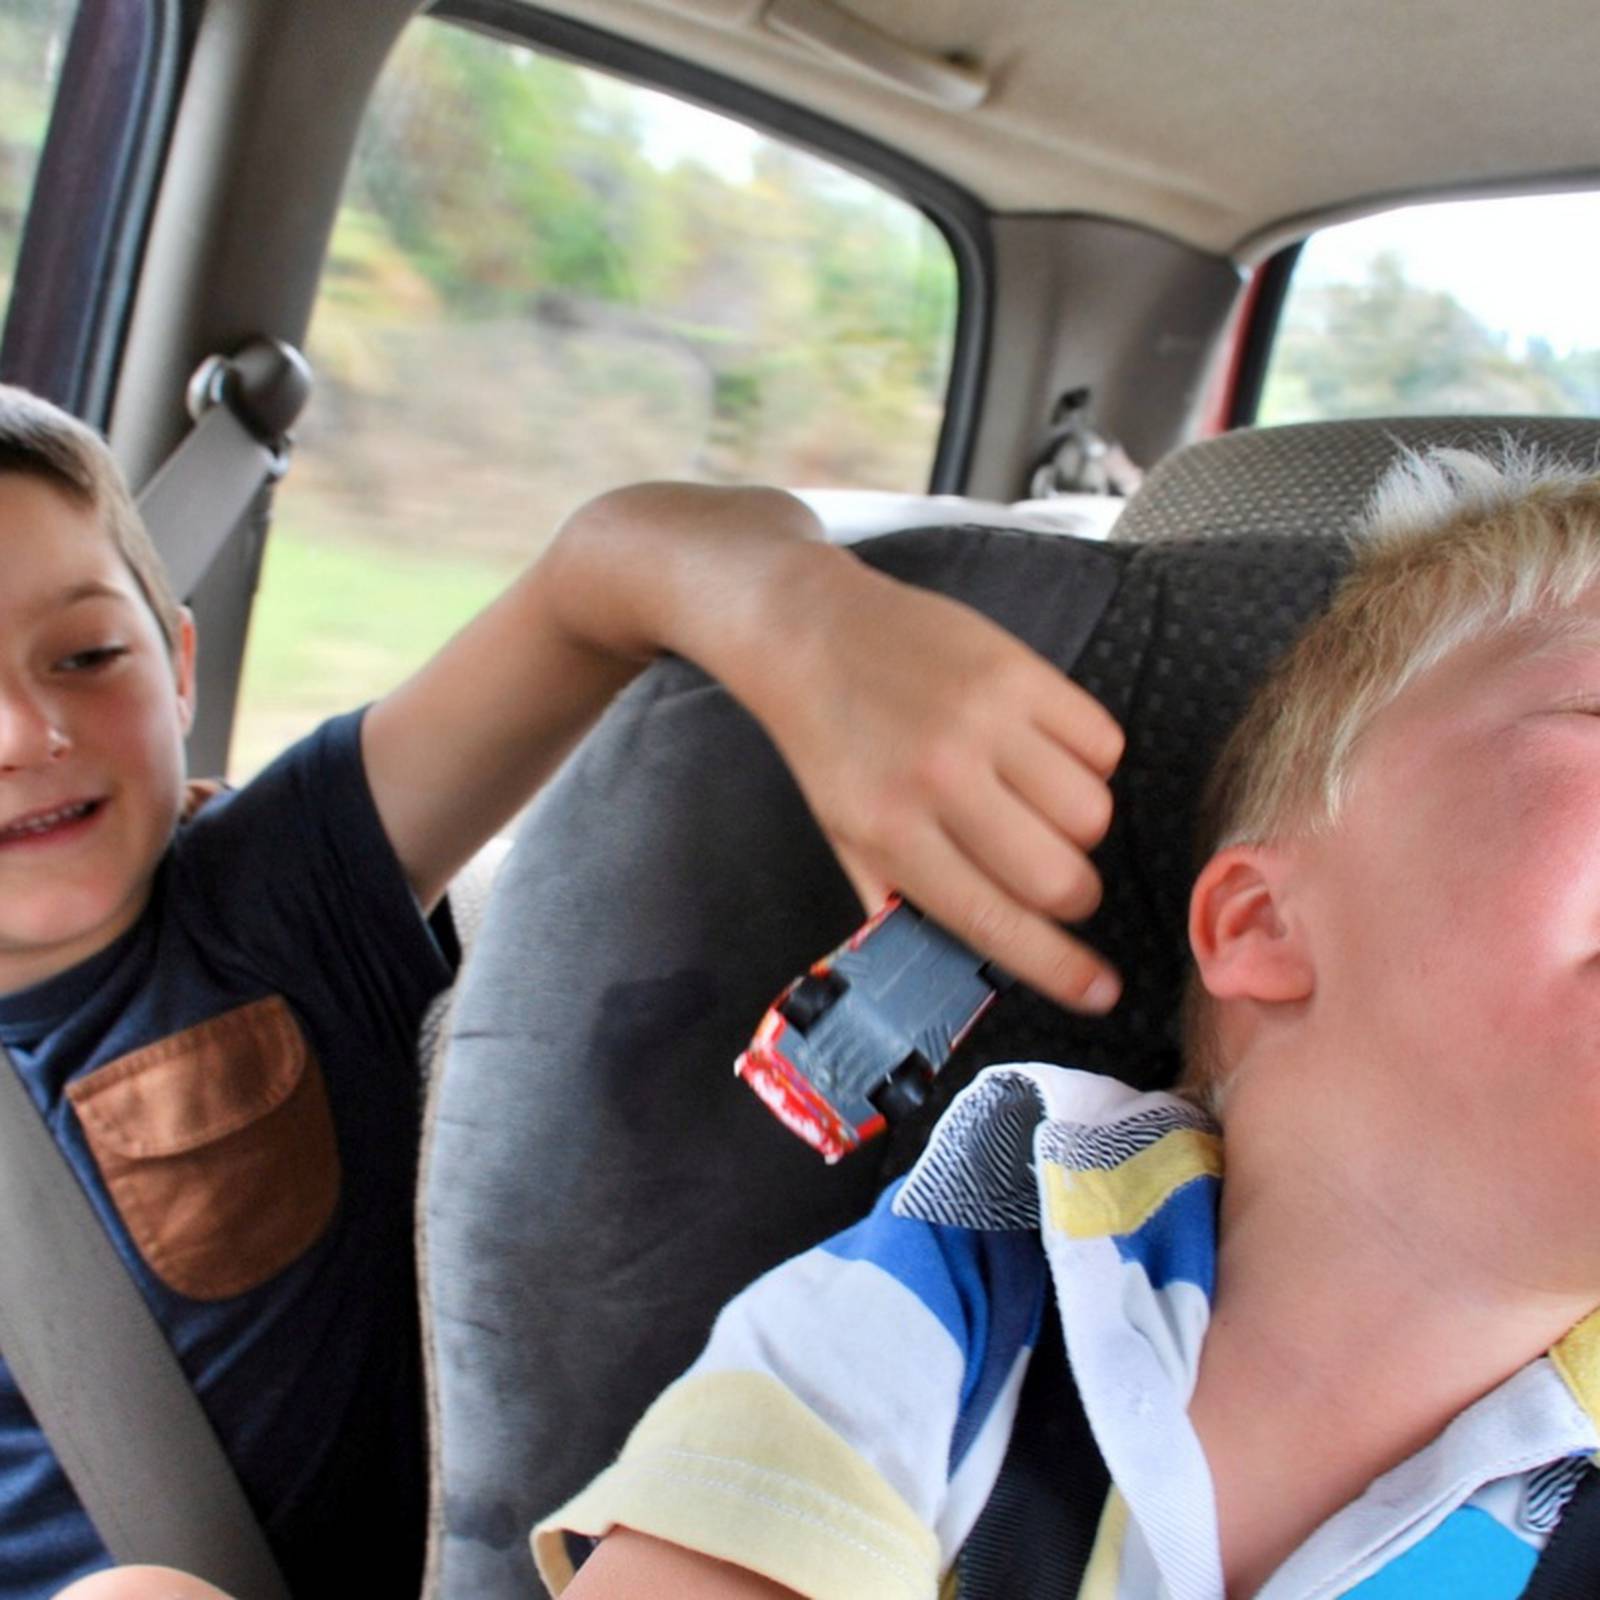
(44,442)
(1454,548)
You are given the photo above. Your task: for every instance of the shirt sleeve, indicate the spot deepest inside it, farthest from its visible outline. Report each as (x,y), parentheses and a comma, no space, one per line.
(844,1424)
(308,891)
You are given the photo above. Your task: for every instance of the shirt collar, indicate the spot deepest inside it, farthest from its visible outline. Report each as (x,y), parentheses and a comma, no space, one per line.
(1122,1187)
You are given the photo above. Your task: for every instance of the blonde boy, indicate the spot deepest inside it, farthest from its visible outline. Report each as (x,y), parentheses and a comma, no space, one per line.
(213,1001)
(1366,1363)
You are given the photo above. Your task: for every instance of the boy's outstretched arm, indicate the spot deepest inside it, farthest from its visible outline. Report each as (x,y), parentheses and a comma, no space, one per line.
(940,755)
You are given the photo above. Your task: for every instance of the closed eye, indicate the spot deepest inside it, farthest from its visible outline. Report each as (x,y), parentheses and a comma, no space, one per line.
(1582,703)
(95,659)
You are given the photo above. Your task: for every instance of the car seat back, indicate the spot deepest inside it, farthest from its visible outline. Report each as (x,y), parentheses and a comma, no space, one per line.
(596,1182)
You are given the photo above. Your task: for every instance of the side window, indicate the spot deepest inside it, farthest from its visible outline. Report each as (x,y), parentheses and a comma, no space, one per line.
(544,282)
(1476,306)
(33,42)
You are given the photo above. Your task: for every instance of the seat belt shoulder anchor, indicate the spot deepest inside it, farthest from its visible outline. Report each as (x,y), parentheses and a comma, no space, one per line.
(265,383)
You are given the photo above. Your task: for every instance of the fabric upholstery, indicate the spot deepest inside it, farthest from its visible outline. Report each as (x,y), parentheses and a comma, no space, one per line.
(596,1180)
(1313,477)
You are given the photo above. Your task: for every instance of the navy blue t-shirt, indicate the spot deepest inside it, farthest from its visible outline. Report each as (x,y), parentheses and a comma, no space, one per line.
(234,1081)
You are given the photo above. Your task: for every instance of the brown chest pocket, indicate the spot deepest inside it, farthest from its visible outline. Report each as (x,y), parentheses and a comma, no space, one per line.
(217,1147)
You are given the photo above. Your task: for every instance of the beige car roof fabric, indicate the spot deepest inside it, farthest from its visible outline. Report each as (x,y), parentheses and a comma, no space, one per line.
(1218,122)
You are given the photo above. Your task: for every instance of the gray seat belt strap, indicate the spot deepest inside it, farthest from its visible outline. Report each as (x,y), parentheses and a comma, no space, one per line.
(243,406)
(102,1381)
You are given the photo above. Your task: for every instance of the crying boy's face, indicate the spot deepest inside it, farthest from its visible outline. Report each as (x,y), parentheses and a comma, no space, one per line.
(93,713)
(1453,915)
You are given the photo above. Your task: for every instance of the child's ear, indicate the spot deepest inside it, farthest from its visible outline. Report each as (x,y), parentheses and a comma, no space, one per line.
(1244,946)
(183,652)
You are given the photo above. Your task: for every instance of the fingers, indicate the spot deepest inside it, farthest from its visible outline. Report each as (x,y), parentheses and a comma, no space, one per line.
(995,848)
(1030,946)
(1066,795)
(1023,855)
(968,772)
(964,897)
(1077,721)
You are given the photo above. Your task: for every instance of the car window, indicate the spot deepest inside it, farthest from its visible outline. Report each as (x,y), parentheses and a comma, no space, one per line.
(1475,306)
(545,281)
(33,43)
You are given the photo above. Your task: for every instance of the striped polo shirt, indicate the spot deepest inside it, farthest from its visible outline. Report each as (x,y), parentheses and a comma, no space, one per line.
(845,1424)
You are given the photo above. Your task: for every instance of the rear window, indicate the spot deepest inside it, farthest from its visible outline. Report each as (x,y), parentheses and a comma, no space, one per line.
(1476,306)
(545,281)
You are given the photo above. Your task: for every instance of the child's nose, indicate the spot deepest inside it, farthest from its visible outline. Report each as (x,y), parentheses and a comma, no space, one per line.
(30,734)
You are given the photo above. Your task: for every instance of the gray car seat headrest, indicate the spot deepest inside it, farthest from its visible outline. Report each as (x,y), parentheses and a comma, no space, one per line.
(596,1182)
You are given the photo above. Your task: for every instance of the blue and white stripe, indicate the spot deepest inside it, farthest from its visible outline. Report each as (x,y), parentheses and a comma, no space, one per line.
(892,1358)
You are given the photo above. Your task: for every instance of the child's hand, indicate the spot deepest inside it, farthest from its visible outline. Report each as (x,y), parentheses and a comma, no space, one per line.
(942,757)
(945,759)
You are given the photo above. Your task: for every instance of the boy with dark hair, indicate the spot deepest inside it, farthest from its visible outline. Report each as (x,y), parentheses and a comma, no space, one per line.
(213,999)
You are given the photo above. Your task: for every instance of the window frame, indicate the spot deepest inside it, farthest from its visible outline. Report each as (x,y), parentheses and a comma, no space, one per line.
(1258,334)
(957,215)
(78,259)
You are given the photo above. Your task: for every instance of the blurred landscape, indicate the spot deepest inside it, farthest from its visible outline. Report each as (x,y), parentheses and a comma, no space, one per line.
(544,283)
(1383,346)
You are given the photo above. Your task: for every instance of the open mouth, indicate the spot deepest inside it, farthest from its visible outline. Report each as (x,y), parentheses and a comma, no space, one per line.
(58,823)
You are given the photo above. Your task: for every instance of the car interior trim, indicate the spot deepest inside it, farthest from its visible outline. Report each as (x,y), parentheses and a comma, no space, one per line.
(1258,333)
(1268,241)
(834,32)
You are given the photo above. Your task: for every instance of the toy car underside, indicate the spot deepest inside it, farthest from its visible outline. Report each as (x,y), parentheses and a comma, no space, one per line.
(854,1043)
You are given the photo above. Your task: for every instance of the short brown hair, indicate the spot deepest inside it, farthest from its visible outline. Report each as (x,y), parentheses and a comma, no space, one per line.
(1455,548)
(43,441)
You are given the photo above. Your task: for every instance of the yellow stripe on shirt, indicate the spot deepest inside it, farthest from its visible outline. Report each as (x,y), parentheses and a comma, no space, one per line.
(1576,1356)
(1105,1560)
(731,1465)
(1098,1204)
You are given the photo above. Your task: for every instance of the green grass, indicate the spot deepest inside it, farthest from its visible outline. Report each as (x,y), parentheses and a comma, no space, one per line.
(338,622)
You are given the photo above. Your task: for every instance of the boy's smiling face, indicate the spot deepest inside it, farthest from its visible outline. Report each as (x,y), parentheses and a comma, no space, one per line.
(93,713)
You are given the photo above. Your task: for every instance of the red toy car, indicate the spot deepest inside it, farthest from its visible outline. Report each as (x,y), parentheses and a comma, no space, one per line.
(854,1043)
